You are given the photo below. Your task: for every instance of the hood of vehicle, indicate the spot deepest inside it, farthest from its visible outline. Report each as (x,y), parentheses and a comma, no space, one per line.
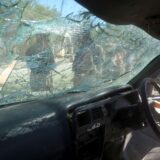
(142,13)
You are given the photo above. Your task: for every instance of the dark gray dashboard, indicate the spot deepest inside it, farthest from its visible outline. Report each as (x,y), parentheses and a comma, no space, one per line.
(70,126)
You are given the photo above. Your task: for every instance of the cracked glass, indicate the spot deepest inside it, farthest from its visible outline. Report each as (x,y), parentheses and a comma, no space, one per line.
(52,47)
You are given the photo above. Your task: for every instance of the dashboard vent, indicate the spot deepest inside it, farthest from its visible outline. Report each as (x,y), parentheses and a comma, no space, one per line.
(97,113)
(83,118)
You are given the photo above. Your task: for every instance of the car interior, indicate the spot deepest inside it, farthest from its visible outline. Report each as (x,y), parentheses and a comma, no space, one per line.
(98,109)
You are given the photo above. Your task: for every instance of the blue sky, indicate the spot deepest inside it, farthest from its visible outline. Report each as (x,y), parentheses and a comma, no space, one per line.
(68,7)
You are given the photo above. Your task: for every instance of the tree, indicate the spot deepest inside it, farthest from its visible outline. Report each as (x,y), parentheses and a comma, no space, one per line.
(36,11)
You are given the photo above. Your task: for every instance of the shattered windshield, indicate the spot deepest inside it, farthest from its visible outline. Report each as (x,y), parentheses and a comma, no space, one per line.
(48,47)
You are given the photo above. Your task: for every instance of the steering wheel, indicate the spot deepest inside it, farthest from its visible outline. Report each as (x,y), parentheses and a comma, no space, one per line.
(151,104)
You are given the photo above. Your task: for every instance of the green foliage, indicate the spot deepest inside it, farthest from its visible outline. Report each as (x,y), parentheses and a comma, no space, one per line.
(27,10)
(36,11)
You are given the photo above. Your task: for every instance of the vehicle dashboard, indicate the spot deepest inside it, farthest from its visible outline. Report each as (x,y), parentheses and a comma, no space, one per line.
(69,126)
